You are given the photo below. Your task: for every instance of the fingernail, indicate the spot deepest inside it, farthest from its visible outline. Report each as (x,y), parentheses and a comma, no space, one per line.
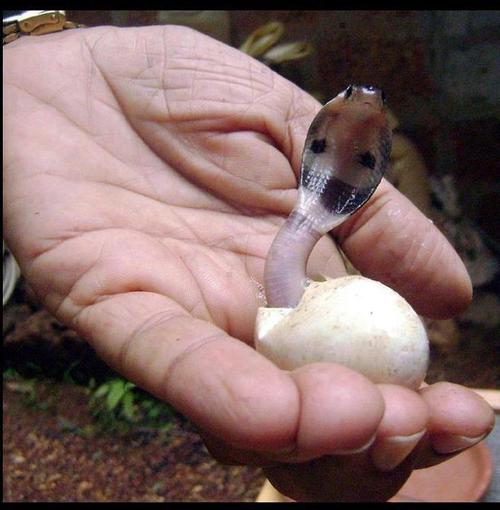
(451,443)
(389,452)
(356,450)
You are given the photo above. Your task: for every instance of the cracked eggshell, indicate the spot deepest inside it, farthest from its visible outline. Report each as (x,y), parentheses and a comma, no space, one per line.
(354,321)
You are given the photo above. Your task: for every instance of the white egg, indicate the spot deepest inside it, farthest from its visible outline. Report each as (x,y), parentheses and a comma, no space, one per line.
(354,321)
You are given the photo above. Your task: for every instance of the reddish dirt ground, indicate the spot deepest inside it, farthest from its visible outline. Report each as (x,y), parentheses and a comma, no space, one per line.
(44,461)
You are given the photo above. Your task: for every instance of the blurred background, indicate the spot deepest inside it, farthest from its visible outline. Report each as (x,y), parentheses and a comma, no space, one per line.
(441,73)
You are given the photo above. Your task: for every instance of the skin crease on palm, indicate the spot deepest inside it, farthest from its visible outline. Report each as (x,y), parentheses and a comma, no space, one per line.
(146,172)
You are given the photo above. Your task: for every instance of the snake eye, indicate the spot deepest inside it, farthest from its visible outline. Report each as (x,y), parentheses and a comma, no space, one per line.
(348,91)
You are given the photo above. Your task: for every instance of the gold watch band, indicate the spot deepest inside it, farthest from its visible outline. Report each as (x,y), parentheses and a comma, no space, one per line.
(35,23)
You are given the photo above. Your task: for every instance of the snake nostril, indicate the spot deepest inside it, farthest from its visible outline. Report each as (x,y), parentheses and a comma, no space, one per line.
(348,91)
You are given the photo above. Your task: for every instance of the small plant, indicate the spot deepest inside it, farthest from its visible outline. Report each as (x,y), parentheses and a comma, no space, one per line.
(11,374)
(112,405)
(67,376)
(43,398)
(116,405)
(119,406)
(17,383)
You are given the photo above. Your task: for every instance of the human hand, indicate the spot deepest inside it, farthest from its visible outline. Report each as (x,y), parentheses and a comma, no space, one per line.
(146,172)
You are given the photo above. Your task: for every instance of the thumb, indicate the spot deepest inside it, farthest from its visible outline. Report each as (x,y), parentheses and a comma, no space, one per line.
(220,383)
(390,240)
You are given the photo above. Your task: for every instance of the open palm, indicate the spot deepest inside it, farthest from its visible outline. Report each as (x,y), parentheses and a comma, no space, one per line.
(146,174)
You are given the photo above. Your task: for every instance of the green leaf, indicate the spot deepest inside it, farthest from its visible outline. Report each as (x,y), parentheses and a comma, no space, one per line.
(154,412)
(101,391)
(67,377)
(128,405)
(116,392)
(129,386)
(11,374)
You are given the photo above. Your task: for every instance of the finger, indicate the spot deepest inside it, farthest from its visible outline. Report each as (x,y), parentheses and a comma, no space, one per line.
(402,427)
(340,411)
(229,455)
(458,419)
(218,382)
(390,240)
(373,475)
(325,260)
(339,414)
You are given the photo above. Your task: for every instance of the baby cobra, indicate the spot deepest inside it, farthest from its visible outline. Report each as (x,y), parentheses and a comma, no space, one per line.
(345,155)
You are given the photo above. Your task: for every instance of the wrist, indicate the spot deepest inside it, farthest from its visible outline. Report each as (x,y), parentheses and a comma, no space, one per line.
(35,23)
